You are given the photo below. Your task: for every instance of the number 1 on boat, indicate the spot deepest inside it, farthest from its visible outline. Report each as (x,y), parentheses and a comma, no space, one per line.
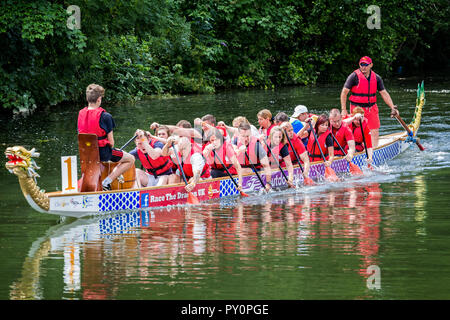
(69,174)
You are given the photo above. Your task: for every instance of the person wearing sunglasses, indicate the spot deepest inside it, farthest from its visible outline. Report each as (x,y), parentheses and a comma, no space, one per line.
(364,84)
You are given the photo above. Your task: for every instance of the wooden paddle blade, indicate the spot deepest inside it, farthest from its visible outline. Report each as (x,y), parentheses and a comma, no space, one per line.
(192,199)
(308,182)
(355,170)
(330,175)
(421,147)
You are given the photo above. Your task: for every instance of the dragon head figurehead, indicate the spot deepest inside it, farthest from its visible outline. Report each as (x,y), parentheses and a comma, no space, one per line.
(21,162)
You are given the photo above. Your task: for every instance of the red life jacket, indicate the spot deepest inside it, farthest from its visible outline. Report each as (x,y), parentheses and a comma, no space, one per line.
(313,148)
(268,130)
(222,154)
(187,167)
(340,137)
(299,148)
(89,122)
(157,166)
(254,157)
(365,93)
(205,142)
(274,153)
(358,135)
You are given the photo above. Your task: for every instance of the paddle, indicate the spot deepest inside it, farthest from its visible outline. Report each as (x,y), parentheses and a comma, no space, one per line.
(409,132)
(306,180)
(128,142)
(192,199)
(330,174)
(229,174)
(254,170)
(353,168)
(365,144)
(278,163)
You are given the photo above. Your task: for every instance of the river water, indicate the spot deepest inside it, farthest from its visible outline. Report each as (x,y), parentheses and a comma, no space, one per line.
(383,236)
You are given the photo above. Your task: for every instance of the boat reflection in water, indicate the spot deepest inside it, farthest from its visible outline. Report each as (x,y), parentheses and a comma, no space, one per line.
(159,249)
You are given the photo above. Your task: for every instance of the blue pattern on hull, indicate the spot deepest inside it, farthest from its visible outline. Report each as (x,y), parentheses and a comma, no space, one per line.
(119,201)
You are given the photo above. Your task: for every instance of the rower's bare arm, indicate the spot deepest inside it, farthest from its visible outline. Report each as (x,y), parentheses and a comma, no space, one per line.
(187,132)
(306,165)
(267,169)
(351,150)
(344,94)
(238,168)
(388,100)
(290,168)
(110,137)
(370,153)
(166,150)
(330,155)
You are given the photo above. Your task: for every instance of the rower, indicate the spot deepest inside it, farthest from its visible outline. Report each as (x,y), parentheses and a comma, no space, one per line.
(299,148)
(355,127)
(248,145)
(325,140)
(206,126)
(279,152)
(157,168)
(265,121)
(192,161)
(219,152)
(343,135)
(280,118)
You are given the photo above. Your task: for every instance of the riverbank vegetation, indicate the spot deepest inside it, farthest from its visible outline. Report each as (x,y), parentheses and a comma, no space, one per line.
(149,47)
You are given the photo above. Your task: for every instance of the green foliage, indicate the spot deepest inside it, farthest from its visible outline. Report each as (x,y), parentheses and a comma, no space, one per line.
(151,47)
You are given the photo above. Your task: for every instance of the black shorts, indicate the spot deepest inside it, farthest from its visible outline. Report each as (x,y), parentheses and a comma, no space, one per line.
(215,173)
(110,154)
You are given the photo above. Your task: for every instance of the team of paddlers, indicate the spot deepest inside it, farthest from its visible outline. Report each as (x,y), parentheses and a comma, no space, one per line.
(212,149)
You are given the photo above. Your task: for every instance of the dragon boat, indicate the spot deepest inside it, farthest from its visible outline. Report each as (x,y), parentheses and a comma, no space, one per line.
(87,203)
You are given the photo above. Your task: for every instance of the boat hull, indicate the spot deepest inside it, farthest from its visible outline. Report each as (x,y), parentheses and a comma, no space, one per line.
(98,203)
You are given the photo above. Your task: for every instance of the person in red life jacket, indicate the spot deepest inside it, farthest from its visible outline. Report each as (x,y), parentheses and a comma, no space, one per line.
(299,148)
(279,152)
(206,126)
(343,135)
(94,119)
(162,134)
(265,121)
(193,163)
(255,151)
(364,84)
(225,152)
(326,142)
(353,121)
(157,168)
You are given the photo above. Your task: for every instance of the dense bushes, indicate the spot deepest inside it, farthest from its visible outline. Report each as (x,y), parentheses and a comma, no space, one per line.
(147,47)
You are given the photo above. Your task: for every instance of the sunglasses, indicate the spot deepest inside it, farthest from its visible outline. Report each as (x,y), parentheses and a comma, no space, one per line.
(363,64)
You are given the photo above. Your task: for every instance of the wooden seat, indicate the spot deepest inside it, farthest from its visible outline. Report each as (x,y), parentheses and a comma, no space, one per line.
(89,163)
